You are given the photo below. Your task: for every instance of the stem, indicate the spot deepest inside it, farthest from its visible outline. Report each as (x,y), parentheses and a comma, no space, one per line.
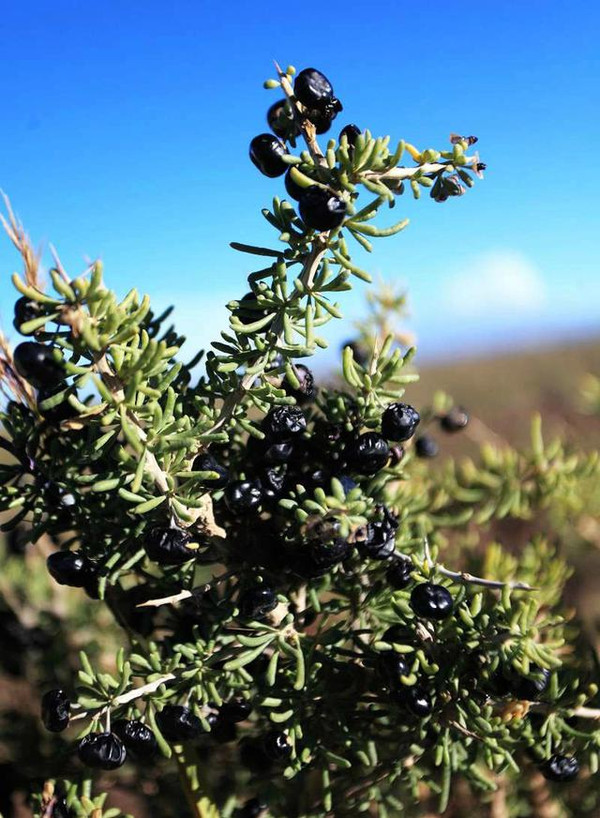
(199,802)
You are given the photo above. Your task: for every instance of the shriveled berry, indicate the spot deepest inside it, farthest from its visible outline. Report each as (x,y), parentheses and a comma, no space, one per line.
(280,119)
(38,365)
(102,751)
(206,462)
(256,602)
(426,446)
(71,568)
(306,390)
(284,423)
(560,768)
(368,453)
(454,420)
(169,546)
(243,496)
(26,310)
(277,746)
(320,209)
(137,737)
(399,422)
(380,541)
(235,710)
(431,601)
(398,574)
(56,710)
(313,89)
(177,723)
(266,152)
(273,482)
(351,132)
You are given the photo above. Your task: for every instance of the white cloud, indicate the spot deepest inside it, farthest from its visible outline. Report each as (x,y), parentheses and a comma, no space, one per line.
(497,283)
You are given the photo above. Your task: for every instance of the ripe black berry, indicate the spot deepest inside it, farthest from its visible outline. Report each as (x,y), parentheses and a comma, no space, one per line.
(392,666)
(281,119)
(178,723)
(322,118)
(61,810)
(398,574)
(221,731)
(415,699)
(313,89)
(248,310)
(26,310)
(38,365)
(380,541)
(529,689)
(347,483)
(251,809)
(306,390)
(56,710)
(71,568)
(266,152)
(351,132)
(320,209)
(426,446)
(455,420)
(360,352)
(206,462)
(399,635)
(322,556)
(399,422)
(243,496)
(368,453)
(276,746)
(431,601)
(169,546)
(103,751)
(273,482)
(137,737)
(264,451)
(256,602)
(235,710)
(294,190)
(560,768)
(284,423)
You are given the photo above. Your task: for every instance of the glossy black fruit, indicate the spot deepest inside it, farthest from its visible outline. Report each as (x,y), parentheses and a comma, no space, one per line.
(322,556)
(206,462)
(398,574)
(313,89)
(72,568)
(102,751)
(399,422)
(560,768)
(26,310)
(256,602)
(56,710)
(243,496)
(380,541)
(221,731)
(351,132)
(368,453)
(392,666)
(416,699)
(426,446)
(169,546)
(400,635)
(37,364)
(235,710)
(178,723)
(266,152)
(306,390)
(431,601)
(277,746)
(455,420)
(529,689)
(266,452)
(61,810)
(248,311)
(284,423)
(320,209)
(322,118)
(281,119)
(252,809)
(294,190)
(137,737)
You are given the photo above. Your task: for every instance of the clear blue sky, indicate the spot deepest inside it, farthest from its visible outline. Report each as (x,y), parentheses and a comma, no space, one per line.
(125,128)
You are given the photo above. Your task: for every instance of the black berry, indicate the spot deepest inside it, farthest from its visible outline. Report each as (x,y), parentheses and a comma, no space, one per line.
(306,390)
(256,602)
(38,365)
(398,574)
(103,751)
(61,810)
(169,546)
(399,635)
(56,710)
(529,689)
(235,710)
(347,483)
(322,556)
(293,189)
(276,746)
(351,132)
(60,411)
(431,601)
(266,152)
(243,496)
(137,737)
(284,423)
(221,731)
(264,451)
(320,209)
(368,453)
(281,119)
(178,723)
(251,809)
(399,422)
(392,666)
(426,446)
(359,351)
(206,462)
(71,568)
(313,89)
(455,420)
(26,310)
(415,699)
(560,768)
(322,118)
(248,311)
(380,541)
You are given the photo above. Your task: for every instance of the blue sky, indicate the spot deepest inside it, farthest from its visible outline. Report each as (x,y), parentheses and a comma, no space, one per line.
(125,128)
